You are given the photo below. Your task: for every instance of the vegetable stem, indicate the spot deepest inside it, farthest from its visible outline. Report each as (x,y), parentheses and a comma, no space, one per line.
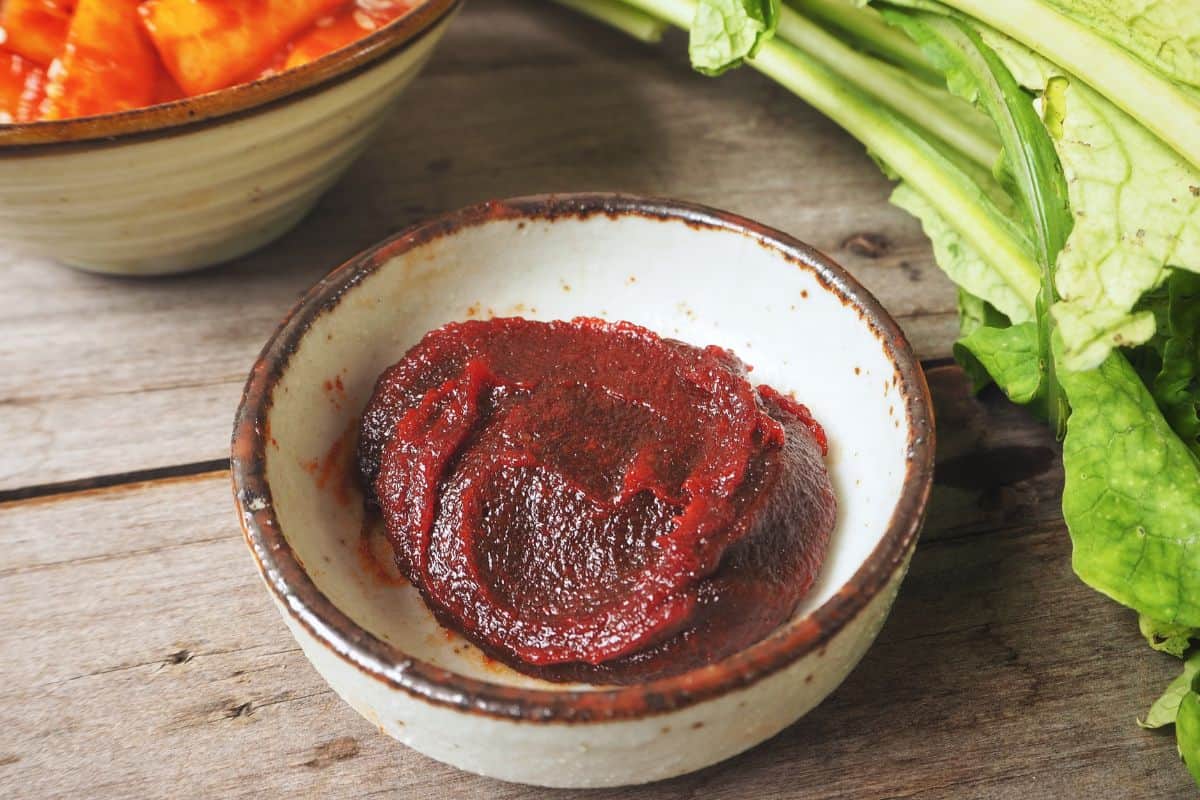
(679,13)
(638,24)
(953,121)
(896,143)
(1030,159)
(913,158)
(949,119)
(864,25)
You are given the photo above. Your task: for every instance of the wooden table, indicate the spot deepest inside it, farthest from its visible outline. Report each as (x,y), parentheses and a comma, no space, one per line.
(141,657)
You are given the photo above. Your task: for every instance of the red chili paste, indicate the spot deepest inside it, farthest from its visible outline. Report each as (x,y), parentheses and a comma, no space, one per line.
(589,501)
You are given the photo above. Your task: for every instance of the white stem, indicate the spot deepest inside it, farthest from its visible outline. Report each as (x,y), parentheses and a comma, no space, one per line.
(948,118)
(868,28)
(638,24)
(914,159)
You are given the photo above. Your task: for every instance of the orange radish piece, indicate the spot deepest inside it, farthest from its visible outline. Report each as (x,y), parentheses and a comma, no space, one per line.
(211,44)
(108,64)
(348,26)
(36,29)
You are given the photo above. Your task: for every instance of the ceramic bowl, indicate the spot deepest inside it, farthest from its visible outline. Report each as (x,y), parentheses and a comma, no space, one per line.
(199,181)
(696,274)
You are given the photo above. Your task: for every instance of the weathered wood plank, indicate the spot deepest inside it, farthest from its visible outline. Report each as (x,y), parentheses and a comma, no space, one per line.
(143,658)
(101,376)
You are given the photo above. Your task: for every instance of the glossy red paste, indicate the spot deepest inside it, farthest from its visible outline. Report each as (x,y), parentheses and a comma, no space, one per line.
(589,501)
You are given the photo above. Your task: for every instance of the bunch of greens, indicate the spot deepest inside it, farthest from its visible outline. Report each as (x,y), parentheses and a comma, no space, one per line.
(1051,149)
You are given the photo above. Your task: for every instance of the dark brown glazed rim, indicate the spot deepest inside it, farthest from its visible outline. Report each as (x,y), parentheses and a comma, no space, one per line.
(191,113)
(287,579)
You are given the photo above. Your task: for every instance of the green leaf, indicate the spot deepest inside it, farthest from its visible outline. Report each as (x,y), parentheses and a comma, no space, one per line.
(1132,496)
(1168,110)
(1177,386)
(963,263)
(973,71)
(1136,205)
(975,313)
(1166,637)
(726,32)
(1187,731)
(1008,355)
(1136,215)
(1163,711)
(1165,34)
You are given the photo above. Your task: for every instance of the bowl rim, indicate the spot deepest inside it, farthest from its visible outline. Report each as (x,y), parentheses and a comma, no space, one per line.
(192,113)
(309,607)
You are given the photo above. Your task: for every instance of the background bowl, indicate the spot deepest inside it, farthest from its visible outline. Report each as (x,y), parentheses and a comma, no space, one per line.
(700,275)
(199,181)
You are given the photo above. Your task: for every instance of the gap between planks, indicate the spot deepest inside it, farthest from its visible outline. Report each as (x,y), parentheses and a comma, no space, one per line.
(189,469)
(116,480)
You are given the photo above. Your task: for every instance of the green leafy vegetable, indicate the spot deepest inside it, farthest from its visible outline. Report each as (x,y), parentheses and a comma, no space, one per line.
(1162,107)
(946,185)
(1136,208)
(1187,730)
(959,259)
(1165,637)
(1165,708)
(1177,385)
(975,313)
(1008,355)
(725,32)
(973,71)
(1132,496)
(1106,92)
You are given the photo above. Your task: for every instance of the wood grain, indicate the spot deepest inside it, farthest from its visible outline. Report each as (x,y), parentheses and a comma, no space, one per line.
(143,658)
(103,376)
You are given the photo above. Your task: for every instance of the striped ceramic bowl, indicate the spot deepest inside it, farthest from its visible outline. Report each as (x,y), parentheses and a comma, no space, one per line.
(187,184)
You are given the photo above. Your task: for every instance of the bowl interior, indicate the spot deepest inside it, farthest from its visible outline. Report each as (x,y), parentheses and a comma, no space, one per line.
(700,283)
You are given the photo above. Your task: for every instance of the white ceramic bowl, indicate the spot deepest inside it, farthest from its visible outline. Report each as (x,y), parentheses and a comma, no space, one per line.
(188,184)
(688,272)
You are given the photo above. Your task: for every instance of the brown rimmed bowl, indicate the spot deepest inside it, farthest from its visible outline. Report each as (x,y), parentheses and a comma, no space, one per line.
(198,181)
(689,272)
